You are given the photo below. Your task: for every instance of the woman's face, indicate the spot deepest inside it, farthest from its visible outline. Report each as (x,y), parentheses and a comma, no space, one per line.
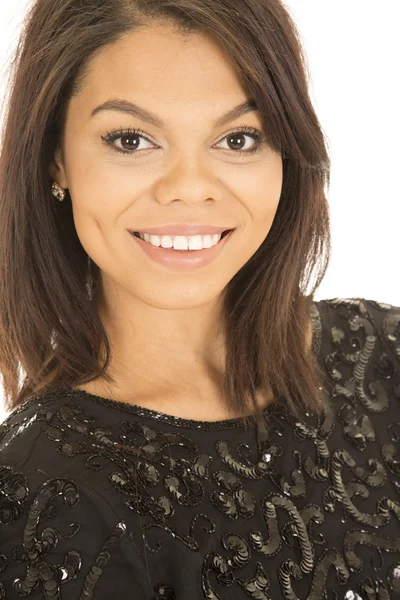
(184,169)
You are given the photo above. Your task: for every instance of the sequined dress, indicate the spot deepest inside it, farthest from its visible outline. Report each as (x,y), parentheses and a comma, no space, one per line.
(104,500)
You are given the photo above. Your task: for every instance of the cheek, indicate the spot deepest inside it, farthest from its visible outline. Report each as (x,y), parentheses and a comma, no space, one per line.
(263,193)
(98,195)
(91,173)
(95,210)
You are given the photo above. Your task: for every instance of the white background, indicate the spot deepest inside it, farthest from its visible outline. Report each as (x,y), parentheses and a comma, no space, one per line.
(353,52)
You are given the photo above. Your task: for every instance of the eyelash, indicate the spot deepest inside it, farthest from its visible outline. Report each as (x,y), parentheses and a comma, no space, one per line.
(120,133)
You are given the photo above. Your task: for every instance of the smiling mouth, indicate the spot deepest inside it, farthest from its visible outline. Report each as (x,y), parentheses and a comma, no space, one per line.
(136,234)
(181,251)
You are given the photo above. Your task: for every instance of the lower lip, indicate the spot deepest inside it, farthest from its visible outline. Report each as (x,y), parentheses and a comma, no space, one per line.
(182,260)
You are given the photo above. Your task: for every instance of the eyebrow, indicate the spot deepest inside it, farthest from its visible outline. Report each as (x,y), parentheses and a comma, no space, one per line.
(143,114)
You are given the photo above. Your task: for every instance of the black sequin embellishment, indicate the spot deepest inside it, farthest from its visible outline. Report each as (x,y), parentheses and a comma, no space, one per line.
(100,498)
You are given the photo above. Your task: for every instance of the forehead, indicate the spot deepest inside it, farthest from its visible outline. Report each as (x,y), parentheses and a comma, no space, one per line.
(158,66)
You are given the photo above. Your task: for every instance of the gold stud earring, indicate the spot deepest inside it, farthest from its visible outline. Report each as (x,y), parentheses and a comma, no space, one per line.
(58,191)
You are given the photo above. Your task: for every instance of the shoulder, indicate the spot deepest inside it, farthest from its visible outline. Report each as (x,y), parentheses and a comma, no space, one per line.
(359,340)
(360,357)
(352,324)
(358,313)
(58,533)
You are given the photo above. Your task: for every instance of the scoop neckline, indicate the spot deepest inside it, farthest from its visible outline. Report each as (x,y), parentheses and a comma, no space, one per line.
(155,415)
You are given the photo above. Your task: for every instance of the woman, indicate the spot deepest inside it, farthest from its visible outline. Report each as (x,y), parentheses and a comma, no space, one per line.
(191,424)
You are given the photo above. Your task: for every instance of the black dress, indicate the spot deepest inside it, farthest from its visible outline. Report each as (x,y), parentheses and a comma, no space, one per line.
(101,499)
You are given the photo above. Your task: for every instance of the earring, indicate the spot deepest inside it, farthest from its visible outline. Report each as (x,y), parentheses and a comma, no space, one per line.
(58,191)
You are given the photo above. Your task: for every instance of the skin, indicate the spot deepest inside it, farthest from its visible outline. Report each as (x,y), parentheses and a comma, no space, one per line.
(165,325)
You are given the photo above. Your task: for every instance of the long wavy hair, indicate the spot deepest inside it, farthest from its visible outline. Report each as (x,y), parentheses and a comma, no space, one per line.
(51,335)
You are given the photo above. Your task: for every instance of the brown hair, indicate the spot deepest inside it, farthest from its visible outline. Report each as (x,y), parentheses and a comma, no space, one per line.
(50,328)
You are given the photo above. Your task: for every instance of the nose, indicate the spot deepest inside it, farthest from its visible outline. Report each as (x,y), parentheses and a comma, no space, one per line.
(188,180)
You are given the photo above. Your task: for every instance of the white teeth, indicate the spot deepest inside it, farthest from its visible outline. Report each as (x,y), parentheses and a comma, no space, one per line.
(182,242)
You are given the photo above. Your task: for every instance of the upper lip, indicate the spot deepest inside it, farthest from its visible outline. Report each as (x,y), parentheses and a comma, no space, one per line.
(182,229)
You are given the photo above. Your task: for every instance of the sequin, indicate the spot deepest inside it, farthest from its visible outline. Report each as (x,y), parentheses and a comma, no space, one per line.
(100,498)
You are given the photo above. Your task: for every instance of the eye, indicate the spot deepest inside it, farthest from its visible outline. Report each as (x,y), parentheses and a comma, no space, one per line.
(124,135)
(132,137)
(234,139)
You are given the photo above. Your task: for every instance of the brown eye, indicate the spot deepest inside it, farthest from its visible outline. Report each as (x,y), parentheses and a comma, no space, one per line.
(237,140)
(131,141)
(128,140)
(234,140)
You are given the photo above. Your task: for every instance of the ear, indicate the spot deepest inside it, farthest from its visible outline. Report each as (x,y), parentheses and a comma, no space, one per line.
(57,169)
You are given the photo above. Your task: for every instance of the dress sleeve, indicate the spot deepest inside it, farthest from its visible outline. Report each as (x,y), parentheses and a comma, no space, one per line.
(59,537)
(386,326)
